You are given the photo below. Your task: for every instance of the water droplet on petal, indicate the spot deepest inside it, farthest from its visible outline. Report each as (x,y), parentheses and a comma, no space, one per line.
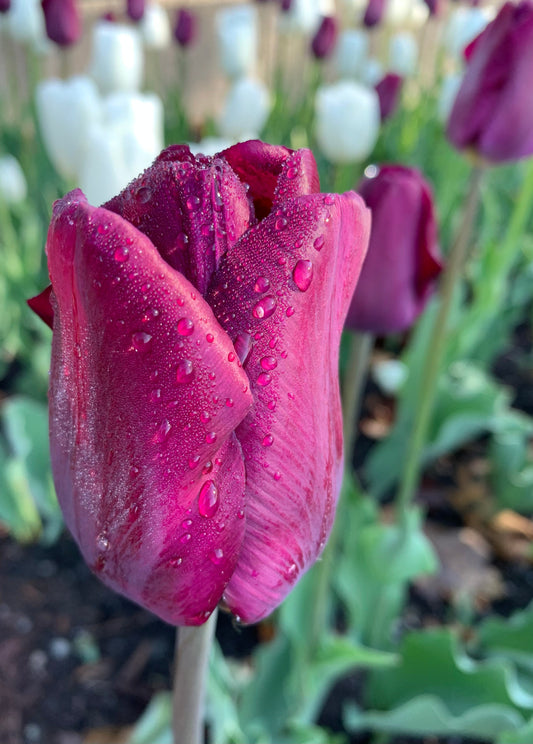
(141,341)
(186,523)
(205,417)
(292,172)
(208,499)
(102,542)
(281,223)
(319,243)
(243,346)
(269,362)
(162,432)
(277,475)
(185,538)
(303,274)
(184,371)
(185,327)
(264,308)
(193,461)
(271,405)
(289,311)
(210,437)
(229,402)
(262,283)
(193,202)
(121,254)
(143,194)
(268,440)
(264,379)
(216,556)
(209,338)
(329,199)
(231,357)
(240,514)
(155,395)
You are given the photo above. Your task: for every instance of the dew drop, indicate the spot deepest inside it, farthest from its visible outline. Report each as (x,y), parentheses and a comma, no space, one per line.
(264,379)
(231,356)
(240,514)
(292,172)
(281,223)
(272,343)
(185,327)
(319,243)
(243,346)
(268,440)
(271,405)
(229,402)
(141,341)
(210,437)
(101,229)
(262,283)
(303,274)
(181,241)
(193,202)
(143,194)
(193,461)
(289,311)
(184,371)
(329,199)
(207,468)
(155,395)
(186,523)
(175,562)
(205,417)
(208,499)
(209,338)
(121,254)
(216,556)
(277,475)
(268,362)
(264,308)
(162,432)
(185,538)
(102,542)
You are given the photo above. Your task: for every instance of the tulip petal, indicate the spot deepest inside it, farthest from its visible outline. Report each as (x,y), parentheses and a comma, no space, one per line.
(41,306)
(145,395)
(192,214)
(298,269)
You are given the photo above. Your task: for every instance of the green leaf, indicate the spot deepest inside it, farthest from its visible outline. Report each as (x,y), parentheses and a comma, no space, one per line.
(512,463)
(509,637)
(154,726)
(222,693)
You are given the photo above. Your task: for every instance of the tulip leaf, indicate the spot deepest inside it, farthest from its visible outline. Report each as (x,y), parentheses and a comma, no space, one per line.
(153,727)
(512,463)
(524,735)
(509,637)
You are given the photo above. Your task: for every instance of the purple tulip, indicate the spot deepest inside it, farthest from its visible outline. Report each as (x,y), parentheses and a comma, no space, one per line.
(388,90)
(135,9)
(62,20)
(374,13)
(185,29)
(285,5)
(403,260)
(5,5)
(493,111)
(325,38)
(434,6)
(195,422)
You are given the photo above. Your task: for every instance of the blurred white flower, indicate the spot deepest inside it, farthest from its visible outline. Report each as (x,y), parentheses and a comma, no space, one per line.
(406,13)
(155,27)
(117,57)
(403,54)
(390,375)
(448,93)
(237,39)
(304,15)
(464,24)
(347,121)
(25,22)
(65,111)
(13,186)
(210,146)
(121,145)
(351,53)
(372,72)
(245,110)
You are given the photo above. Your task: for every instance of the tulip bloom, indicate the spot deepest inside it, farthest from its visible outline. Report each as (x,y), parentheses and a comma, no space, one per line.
(185,30)
(374,13)
(245,110)
(63,21)
(155,27)
(403,260)
(493,111)
(195,422)
(135,9)
(117,61)
(325,38)
(388,90)
(5,5)
(236,28)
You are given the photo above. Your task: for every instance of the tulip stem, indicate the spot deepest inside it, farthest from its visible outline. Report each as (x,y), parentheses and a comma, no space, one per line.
(192,655)
(435,352)
(360,347)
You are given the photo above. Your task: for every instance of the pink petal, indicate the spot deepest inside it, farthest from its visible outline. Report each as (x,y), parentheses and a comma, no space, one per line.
(298,270)
(144,399)
(40,304)
(192,210)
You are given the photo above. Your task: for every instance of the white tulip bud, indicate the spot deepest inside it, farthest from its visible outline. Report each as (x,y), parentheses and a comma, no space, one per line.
(304,15)
(237,40)
(210,146)
(25,22)
(403,54)
(351,53)
(117,57)
(372,72)
(155,27)
(245,111)
(13,186)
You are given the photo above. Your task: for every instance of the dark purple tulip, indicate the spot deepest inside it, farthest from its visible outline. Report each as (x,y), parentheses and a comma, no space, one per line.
(135,9)
(374,12)
(5,5)
(388,90)
(195,420)
(285,5)
(403,259)
(493,111)
(185,30)
(62,20)
(325,38)
(434,6)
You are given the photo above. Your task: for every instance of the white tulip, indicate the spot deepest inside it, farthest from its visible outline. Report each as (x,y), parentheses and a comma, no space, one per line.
(448,93)
(304,16)
(155,27)
(403,54)
(13,186)
(210,146)
(122,145)
(406,13)
(245,111)
(463,26)
(237,39)
(65,112)
(351,53)
(390,375)
(372,72)
(25,22)
(347,121)
(117,57)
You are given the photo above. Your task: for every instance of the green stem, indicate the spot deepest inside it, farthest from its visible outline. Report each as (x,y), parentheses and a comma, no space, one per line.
(192,655)
(359,350)
(435,351)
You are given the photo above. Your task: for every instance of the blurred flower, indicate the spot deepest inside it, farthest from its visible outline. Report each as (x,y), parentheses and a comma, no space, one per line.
(372,72)
(448,92)
(159,432)
(325,38)
(13,186)
(303,16)
(373,13)
(5,5)
(121,144)
(403,54)
(65,111)
(347,121)
(464,24)
(135,9)
(25,21)
(185,28)
(493,110)
(401,13)
(62,20)
(209,146)
(155,27)
(245,110)
(117,57)
(434,6)
(403,259)
(237,39)
(350,53)
(388,90)
(390,375)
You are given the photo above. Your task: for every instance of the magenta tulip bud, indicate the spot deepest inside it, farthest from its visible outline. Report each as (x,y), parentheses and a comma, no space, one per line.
(196,442)
(185,30)
(374,13)
(285,5)
(433,6)
(324,40)
(403,260)
(63,21)
(493,112)
(5,5)
(388,90)
(135,9)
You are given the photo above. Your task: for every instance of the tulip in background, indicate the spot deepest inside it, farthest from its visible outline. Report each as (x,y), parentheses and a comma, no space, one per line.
(63,21)
(135,9)
(5,5)
(463,25)
(389,89)
(347,121)
(493,112)
(403,261)
(350,53)
(25,23)
(13,186)
(403,54)
(237,40)
(188,313)
(155,27)
(117,62)
(245,110)
(325,38)
(185,28)
(374,12)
